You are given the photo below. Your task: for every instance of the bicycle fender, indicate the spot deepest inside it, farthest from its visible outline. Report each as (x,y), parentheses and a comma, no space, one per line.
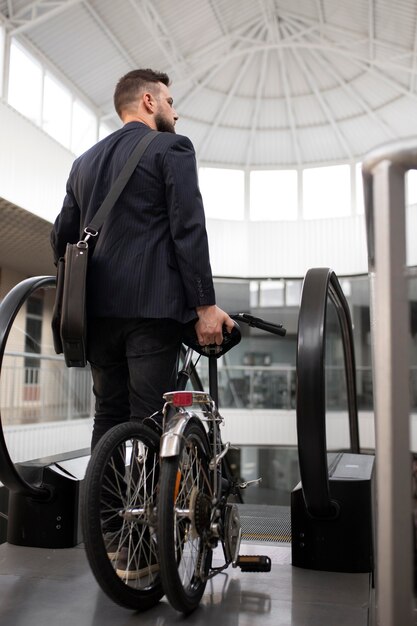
(172,437)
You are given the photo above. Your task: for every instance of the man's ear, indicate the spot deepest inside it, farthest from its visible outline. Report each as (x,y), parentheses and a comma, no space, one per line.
(149,102)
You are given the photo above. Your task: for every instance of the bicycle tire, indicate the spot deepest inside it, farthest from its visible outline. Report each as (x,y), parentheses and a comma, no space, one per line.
(184,555)
(118,507)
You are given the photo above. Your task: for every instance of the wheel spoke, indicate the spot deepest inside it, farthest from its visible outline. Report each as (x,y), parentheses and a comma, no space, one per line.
(118,515)
(185,495)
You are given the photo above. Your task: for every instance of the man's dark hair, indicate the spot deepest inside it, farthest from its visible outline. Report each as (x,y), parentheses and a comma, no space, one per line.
(129,86)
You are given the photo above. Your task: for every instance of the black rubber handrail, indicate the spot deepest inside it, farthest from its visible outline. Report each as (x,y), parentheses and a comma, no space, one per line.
(9,308)
(319,285)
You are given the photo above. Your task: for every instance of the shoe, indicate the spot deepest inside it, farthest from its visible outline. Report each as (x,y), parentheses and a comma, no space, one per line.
(135,568)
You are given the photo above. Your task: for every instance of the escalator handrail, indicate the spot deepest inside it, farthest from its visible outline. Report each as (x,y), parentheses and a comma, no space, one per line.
(319,284)
(9,308)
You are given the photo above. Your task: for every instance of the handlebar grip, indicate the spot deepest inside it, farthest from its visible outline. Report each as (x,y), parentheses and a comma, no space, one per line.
(257,322)
(272,328)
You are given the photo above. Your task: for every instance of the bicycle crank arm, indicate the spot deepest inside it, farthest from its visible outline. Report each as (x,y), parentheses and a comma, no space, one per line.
(254,563)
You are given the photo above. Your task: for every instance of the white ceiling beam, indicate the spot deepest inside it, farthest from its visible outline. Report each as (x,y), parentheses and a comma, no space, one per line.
(375,71)
(371,28)
(414,58)
(205,57)
(372,67)
(275,35)
(347,52)
(266,12)
(308,75)
(236,51)
(320,13)
(256,109)
(289,103)
(219,44)
(161,35)
(37,13)
(217,15)
(218,62)
(224,106)
(348,89)
(110,35)
(347,49)
(344,38)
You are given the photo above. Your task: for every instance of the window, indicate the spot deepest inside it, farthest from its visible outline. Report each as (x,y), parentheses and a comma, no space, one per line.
(223,192)
(84,128)
(360,200)
(411,187)
(25,84)
(273,195)
(104,130)
(42,98)
(57,111)
(326,191)
(272,293)
(253,294)
(293,292)
(2,38)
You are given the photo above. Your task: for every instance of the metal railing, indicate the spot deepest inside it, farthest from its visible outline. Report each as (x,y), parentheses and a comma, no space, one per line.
(61,393)
(45,393)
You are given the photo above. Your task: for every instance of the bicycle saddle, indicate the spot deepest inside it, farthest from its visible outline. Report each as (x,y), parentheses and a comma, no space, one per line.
(189,338)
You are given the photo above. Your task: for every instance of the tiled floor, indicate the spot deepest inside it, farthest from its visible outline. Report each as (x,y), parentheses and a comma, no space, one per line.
(41,587)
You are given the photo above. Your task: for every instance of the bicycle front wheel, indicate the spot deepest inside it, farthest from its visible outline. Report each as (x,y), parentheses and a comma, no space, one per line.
(184,512)
(118,515)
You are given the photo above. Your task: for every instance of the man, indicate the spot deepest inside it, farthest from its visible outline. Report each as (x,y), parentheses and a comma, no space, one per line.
(149,272)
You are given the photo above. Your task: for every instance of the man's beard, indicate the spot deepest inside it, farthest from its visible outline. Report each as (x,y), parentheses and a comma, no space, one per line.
(163,125)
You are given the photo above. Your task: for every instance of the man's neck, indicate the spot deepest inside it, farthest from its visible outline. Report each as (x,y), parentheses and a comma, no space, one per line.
(138,118)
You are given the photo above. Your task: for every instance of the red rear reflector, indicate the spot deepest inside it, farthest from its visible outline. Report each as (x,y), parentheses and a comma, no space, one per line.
(182,398)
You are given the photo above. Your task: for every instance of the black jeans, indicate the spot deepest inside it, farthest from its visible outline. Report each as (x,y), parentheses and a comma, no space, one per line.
(133,363)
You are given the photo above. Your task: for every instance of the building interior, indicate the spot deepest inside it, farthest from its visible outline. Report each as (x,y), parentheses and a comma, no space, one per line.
(302,116)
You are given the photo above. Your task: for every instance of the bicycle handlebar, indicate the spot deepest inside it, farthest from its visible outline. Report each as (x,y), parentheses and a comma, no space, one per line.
(257,322)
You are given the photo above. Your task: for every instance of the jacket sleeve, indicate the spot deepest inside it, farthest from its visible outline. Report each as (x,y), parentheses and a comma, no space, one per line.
(187,222)
(66,228)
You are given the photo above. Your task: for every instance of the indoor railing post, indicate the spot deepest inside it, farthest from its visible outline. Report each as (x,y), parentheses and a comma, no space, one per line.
(384,184)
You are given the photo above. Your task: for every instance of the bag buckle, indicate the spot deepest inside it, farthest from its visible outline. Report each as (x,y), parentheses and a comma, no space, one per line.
(89,232)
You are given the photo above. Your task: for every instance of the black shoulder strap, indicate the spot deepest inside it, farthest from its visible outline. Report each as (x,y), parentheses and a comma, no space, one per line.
(119,184)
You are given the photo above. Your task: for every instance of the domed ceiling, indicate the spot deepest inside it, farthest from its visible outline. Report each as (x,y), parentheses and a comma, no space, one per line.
(257,83)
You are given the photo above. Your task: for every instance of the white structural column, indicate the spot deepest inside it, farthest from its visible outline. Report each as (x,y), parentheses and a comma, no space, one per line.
(385,205)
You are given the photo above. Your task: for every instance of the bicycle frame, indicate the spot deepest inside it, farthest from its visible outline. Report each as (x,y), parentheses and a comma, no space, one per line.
(174,426)
(195,510)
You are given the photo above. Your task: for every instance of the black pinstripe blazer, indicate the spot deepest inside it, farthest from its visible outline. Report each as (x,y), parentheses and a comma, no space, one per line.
(151,257)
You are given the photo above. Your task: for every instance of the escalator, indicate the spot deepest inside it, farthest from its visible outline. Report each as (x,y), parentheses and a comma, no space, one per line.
(331,512)
(332,506)
(43,495)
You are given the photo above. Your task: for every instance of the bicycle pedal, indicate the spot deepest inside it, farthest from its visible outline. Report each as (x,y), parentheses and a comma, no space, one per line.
(254,563)
(248,483)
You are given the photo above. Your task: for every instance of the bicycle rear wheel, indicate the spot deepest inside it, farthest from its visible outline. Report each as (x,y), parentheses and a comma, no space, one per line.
(184,511)
(118,517)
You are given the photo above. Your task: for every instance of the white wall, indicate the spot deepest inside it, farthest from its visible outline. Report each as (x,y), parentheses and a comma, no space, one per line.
(33,166)
(287,249)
